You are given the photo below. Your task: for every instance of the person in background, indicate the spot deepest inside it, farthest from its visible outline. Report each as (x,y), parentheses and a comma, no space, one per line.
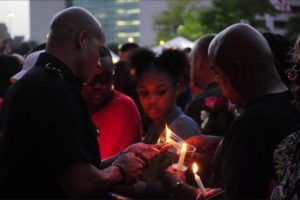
(114,114)
(243,65)
(281,49)
(49,146)
(157,85)
(126,49)
(9,65)
(286,155)
(202,76)
(29,62)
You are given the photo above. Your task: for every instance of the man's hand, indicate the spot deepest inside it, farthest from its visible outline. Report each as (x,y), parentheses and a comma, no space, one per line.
(204,143)
(130,166)
(144,151)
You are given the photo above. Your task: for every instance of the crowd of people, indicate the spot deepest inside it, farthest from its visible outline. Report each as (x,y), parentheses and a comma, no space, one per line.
(73,124)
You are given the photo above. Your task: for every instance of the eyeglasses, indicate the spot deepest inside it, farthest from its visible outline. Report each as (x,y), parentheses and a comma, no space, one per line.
(106,78)
(293,73)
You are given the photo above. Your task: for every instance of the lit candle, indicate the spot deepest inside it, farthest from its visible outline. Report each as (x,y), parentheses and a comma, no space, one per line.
(168,136)
(181,157)
(198,179)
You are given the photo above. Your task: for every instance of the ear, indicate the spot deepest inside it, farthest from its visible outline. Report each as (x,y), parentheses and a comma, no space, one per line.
(81,39)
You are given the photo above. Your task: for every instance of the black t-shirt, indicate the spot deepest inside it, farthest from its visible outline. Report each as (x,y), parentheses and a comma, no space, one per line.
(46,127)
(243,164)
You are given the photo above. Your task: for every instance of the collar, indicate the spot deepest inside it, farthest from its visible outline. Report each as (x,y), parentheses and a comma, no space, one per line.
(57,68)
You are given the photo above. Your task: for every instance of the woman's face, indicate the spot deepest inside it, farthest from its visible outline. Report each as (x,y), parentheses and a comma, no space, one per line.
(157,94)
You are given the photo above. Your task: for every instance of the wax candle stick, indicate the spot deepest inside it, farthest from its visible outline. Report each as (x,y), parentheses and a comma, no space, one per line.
(198,179)
(181,157)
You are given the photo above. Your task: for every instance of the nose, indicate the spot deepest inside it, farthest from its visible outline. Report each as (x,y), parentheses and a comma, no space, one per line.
(152,99)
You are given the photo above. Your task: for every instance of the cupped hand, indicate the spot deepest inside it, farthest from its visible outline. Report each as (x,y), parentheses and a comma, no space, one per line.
(144,151)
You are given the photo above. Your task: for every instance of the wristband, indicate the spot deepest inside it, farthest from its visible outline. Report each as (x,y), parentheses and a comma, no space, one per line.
(175,187)
(122,172)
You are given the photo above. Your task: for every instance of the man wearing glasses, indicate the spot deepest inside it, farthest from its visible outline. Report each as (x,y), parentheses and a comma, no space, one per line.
(115,115)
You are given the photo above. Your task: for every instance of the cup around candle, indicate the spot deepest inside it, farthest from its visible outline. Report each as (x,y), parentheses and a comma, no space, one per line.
(190,150)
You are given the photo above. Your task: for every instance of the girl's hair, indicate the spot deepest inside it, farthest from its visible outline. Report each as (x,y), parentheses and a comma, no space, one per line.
(173,62)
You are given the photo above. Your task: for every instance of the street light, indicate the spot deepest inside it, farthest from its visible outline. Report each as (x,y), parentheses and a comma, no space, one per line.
(9,15)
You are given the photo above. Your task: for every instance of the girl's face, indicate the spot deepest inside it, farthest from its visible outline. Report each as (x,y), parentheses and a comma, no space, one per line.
(157,94)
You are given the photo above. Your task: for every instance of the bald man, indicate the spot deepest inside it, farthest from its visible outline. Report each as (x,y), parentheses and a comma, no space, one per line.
(242,62)
(49,142)
(202,77)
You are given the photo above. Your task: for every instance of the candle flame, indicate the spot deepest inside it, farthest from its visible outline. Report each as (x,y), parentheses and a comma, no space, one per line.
(195,168)
(168,134)
(183,147)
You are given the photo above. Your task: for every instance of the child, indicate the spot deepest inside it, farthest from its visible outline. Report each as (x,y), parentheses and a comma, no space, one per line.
(158,79)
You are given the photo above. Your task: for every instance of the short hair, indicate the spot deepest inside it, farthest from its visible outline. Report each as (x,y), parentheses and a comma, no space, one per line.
(128,47)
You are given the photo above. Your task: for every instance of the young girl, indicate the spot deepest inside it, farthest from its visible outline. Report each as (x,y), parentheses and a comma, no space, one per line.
(158,79)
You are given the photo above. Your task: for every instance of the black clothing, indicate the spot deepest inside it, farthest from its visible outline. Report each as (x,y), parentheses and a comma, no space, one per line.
(194,108)
(46,127)
(9,66)
(243,164)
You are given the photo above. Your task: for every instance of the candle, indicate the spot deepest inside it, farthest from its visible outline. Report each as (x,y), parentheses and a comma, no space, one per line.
(181,157)
(198,179)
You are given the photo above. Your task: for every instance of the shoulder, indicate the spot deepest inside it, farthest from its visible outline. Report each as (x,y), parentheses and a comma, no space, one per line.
(186,126)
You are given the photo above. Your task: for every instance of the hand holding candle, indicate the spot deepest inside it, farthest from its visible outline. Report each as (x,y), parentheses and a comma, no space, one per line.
(198,179)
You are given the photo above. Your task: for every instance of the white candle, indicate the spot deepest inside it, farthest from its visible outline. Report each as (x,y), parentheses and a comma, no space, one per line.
(198,179)
(181,157)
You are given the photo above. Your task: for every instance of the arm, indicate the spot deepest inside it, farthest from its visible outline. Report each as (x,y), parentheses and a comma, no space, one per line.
(82,180)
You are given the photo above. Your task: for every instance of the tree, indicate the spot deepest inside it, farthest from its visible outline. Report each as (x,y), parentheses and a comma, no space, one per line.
(223,13)
(186,18)
(293,28)
(171,22)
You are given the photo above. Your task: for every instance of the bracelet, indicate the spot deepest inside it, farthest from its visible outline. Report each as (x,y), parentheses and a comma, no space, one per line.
(174,188)
(122,172)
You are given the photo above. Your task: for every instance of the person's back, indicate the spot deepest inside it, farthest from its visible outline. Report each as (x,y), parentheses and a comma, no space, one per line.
(243,162)
(38,125)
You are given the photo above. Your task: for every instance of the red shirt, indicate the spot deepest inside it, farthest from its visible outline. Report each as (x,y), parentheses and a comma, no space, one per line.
(119,123)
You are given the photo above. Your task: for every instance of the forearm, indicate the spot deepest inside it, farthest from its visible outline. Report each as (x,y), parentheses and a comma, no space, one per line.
(82,180)
(108,162)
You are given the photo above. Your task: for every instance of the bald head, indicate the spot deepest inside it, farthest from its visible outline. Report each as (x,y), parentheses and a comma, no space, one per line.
(242,59)
(71,21)
(243,42)
(75,38)
(201,74)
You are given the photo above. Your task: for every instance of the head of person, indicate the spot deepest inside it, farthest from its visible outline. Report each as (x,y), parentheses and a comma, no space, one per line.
(75,38)
(125,50)
(29,62)
(157,83)
(281,49)
(243,64)
(293,74)
(98,90)
(201,74)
